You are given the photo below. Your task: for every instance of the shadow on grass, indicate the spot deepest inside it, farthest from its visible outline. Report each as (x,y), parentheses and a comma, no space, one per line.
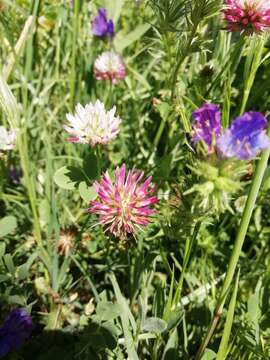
(98,340)
(90,344)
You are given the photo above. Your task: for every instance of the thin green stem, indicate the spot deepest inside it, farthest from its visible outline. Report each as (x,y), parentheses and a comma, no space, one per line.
(2,174)
(30,186)
(73,72)
(23,150)
(108,94)
(18,48)
(159,132)
(13,113)
(188,247)
(29,52)
(22,137)
(251,201)
(99,159)
(224,344)
(74,52)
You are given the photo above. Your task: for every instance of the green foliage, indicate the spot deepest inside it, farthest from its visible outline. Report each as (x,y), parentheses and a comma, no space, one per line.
(7,225)
(71,177)
(154,325)
(122,41)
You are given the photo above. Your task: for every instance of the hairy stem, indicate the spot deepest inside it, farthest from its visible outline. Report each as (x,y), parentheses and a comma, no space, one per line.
(173,81)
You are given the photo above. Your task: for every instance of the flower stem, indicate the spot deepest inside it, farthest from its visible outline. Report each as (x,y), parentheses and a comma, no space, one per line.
(252,197)
(22,146)
(188,247)
(13,114)
(99,160)
(159,133)
(2,174)
(74,52)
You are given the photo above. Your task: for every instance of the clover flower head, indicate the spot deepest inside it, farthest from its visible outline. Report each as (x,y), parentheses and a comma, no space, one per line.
(245,138)
(101,26)
(207,124)
(110,66)
(15,330)
(92,124)
(124,205)
(247,16)
(7,139)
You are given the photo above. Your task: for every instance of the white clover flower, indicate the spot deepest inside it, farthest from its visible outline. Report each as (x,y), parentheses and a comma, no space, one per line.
(7,139)
(110,66)
(92,124)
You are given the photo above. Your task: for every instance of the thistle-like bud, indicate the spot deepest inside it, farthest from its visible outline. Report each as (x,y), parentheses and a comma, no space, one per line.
(220,180)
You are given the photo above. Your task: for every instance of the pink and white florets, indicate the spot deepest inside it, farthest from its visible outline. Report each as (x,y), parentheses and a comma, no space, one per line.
(247,16)
(124,206)
(92,124)
(7,140)
(110,66)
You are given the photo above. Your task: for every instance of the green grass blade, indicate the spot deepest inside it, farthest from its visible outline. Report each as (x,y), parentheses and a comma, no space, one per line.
(27,31)
(125,319)
(223,348)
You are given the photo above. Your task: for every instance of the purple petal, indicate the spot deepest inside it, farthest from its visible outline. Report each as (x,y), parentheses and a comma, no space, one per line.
(245,138)
(101,26)
(110,28)
(4,347)
(16,328)
(207,124)
(102,12)
(248,124)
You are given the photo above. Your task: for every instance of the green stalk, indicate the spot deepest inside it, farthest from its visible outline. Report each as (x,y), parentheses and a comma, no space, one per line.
(159,132)
(251,201)
(29,52)
(74,52)
(98,153)
(29,182)
(11,108)
(188,247)
(27,31)
(14,115)
(2,174)
(126,320)
(223,347)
